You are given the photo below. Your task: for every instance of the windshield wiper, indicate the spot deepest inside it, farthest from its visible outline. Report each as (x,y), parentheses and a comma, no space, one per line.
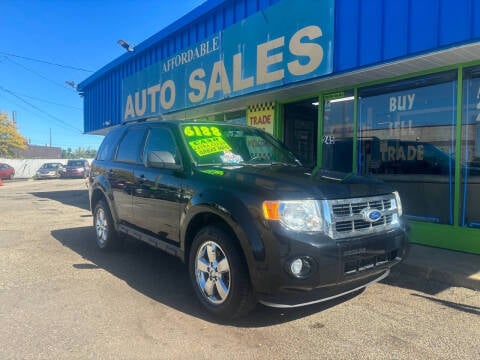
(267,163)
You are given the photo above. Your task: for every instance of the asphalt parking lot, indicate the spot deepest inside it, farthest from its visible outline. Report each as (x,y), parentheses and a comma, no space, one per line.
(61,298)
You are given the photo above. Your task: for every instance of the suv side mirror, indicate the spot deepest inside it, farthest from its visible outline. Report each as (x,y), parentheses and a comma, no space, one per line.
(161,159)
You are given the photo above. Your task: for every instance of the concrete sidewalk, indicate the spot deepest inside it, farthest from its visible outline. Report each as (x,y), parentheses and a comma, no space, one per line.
(447,266)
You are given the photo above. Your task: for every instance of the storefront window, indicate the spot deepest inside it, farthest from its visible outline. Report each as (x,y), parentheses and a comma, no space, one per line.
(407,137)
(234,117)
(337,142)
(470,170)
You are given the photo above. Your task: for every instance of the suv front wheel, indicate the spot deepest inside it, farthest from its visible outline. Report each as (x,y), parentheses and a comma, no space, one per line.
(219,274)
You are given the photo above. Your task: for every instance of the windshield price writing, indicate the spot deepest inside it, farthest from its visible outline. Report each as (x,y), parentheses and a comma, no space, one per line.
(199,131)
(203,147)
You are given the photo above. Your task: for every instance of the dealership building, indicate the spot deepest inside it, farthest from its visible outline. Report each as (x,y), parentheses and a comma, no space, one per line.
(388,89)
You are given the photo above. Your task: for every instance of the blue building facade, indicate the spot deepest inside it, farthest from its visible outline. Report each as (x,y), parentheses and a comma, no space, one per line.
(385,88)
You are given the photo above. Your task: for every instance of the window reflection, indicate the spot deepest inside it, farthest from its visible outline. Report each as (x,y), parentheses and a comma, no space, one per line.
(470,211)
(407,137)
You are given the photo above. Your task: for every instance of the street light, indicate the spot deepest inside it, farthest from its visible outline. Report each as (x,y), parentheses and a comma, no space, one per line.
(125,45)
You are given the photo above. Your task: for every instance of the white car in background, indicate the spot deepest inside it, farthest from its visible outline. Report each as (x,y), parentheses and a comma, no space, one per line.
(49,171)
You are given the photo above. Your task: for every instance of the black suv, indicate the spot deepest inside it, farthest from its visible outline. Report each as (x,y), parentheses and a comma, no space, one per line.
(250,221)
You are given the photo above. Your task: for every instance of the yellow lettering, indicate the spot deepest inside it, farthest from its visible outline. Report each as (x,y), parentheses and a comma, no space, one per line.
(391,153)
(238,82)
(152,91)
(188,131)
(215,43)
(219,80)
(420,152)
(209,146)
(191,131)
(383,150)
(411,152)
(129,108)
(309,49)
(140,110)
(264,61)
(167,103)
(197,84)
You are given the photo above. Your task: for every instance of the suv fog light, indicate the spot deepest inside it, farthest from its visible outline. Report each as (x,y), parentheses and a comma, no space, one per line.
(296,267)
(300,267)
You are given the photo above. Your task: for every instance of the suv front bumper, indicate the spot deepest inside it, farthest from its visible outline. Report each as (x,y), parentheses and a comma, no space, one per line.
(338,267)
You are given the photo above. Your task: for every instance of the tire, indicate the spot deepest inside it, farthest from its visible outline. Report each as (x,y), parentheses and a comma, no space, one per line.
(219,274)
(11,177)
(106,235)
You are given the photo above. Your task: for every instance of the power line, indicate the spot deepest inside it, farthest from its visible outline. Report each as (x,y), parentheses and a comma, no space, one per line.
(47,62)
(36,73)
(28,109)
(40,110)
(50,102)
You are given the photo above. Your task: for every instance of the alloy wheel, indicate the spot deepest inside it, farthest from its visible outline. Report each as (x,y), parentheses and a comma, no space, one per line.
(101,226)
(212,272)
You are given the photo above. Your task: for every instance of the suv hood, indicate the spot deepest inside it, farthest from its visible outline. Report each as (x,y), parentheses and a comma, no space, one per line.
(296,181)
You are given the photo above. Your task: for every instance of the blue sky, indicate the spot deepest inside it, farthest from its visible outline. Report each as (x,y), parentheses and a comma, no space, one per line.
(76,35)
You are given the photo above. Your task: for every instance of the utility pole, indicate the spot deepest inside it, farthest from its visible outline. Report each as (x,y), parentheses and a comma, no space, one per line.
(50,137)
(14,116)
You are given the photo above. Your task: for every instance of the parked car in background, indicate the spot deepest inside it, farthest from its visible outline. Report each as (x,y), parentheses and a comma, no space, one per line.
(49,171)
(79,168)
(6,171)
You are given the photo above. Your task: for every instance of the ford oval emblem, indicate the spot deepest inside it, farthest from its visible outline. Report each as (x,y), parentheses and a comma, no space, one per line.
(371,215)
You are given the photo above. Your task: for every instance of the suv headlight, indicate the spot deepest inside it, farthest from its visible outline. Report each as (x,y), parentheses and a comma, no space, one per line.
(297,215)
(398,203)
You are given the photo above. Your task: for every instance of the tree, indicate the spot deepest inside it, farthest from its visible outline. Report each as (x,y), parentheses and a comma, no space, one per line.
(79,153)
(10,139)
(67,153)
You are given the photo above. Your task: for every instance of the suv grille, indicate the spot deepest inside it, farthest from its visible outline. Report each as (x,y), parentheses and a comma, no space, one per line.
(347,217)
(360,265)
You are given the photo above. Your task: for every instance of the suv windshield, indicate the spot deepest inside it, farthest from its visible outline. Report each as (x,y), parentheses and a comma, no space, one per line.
(220,144)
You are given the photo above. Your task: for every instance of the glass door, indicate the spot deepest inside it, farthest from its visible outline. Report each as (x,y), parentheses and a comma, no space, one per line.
(337,138)
(301,124)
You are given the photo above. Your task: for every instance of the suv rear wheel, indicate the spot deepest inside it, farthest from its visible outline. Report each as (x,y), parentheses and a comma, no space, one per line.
(106,235)
(219,274)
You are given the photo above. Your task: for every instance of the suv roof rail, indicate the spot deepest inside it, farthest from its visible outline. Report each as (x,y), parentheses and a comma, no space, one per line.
(125,122)
(153,118)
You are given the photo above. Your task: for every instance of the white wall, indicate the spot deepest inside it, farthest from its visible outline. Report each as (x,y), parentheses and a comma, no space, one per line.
(26,168)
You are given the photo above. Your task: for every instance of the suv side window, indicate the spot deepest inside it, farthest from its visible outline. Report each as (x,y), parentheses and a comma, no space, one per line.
(160,139)
(107,148)
(130,147)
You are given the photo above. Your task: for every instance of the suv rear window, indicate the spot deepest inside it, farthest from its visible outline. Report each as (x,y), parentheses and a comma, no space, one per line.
(75,163)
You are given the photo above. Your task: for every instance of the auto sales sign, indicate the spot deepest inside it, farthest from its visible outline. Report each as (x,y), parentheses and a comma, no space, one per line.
(288,42)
